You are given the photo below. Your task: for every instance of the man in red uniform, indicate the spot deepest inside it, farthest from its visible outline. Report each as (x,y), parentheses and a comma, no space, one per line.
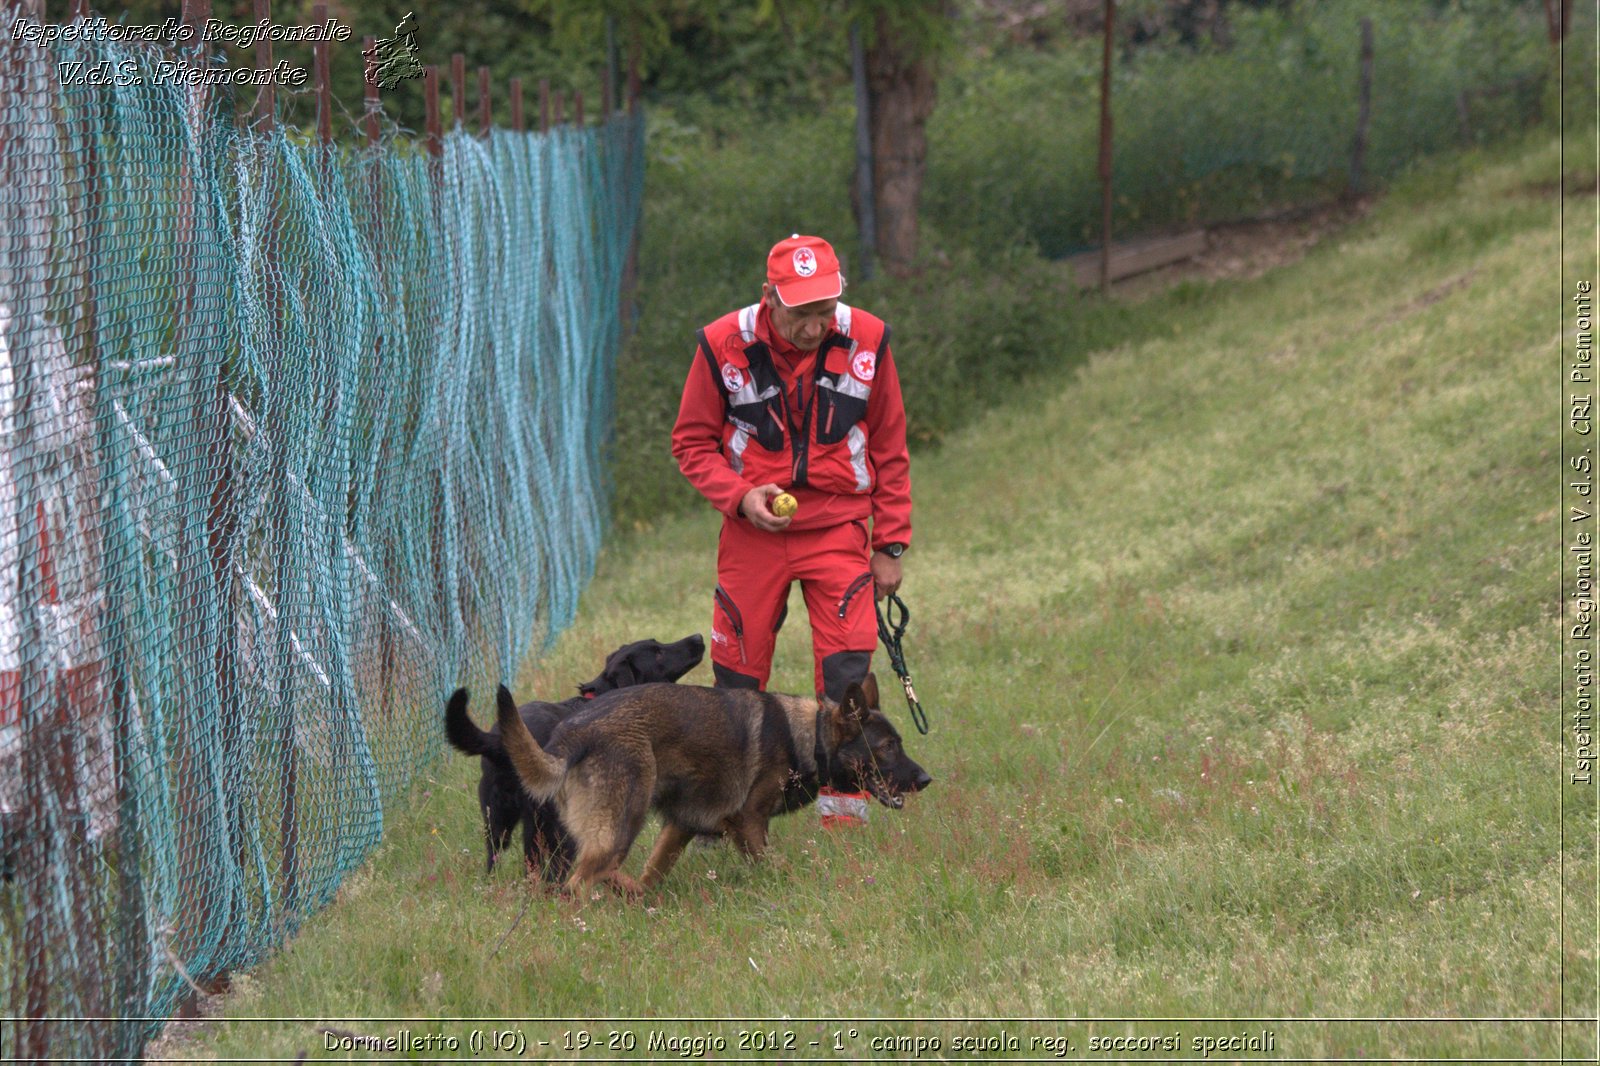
(798,394)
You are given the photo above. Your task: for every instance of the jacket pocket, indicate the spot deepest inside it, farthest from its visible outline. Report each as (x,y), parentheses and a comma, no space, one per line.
(850,593)
(730,611)
(837,412)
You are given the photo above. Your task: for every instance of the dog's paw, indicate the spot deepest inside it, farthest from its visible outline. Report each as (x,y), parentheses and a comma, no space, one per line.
(629,887)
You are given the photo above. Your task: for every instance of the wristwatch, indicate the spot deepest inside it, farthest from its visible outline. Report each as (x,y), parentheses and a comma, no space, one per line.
(893,549)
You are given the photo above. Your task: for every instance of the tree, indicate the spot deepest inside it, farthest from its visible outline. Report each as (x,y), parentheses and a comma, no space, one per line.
(902,42)
(1558,16)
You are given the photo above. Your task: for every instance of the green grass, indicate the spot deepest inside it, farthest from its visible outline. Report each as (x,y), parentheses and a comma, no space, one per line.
(1240,646)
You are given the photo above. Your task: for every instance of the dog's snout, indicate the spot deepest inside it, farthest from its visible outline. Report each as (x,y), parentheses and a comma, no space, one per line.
(924,779)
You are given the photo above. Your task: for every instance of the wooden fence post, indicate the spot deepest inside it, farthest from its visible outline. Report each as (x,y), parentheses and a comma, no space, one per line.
(222,510)
(430,98)
(630,265)
(132,973)
(485,109)
(374,107)
(866,203)
(26,213)
(458,87)
(1358,148)
(266,94)
(608,92)
(1105,149)
(633,76)
(194,906)
(289,771)
(369,88)
(319,53)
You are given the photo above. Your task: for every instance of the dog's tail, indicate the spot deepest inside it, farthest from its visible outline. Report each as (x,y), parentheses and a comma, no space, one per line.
(464,735)
(539,771)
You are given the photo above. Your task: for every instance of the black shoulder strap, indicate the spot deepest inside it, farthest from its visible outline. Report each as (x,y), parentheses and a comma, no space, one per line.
(711,360)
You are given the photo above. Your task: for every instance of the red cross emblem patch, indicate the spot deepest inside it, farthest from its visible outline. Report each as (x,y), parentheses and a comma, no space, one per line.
(864,365)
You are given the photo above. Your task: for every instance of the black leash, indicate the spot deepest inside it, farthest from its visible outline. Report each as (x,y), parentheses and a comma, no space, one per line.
(897,656)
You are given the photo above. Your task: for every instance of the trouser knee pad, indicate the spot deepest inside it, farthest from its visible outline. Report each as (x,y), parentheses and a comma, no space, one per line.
(726,678)
(840,669)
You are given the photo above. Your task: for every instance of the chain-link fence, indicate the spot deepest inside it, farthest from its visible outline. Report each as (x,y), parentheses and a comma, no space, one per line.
(296,439)
(1216,133)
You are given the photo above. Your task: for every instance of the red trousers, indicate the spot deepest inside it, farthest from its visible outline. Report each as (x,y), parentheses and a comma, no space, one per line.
(754,572)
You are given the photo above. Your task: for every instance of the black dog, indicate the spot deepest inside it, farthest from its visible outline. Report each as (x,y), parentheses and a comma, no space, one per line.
(545,844)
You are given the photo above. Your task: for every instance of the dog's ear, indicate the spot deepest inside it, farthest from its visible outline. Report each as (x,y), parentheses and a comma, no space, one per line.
(843,723)
(621,676)
(606,680)
(869,688)
(621,671)
(854,708)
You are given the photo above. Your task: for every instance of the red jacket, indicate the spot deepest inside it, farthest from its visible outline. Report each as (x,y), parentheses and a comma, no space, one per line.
(829,425)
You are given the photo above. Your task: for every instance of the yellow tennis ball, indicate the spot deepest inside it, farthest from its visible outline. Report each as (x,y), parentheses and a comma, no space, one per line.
(784,505)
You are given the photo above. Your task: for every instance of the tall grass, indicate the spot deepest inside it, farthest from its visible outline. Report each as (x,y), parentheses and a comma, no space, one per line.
(1240,652)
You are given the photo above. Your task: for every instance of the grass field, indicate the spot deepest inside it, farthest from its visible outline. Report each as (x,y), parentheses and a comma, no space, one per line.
(1242,652)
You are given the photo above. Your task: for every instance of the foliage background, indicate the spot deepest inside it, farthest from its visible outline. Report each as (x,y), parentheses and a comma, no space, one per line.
(1205,131)
(1223,109)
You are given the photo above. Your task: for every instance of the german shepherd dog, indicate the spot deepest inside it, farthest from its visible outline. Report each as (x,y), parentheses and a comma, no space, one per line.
(874,761)
(500,795)
(708,760)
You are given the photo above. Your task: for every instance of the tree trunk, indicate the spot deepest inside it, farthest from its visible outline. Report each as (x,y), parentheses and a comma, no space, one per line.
(1558,16)
(900,81)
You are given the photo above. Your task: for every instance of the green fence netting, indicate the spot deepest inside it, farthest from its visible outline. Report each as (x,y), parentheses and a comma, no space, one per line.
(296,439)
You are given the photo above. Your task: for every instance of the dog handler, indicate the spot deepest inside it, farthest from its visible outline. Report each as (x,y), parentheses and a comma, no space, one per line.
(798,394)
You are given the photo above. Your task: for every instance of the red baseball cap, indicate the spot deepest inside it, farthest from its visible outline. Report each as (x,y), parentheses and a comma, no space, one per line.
(804,270)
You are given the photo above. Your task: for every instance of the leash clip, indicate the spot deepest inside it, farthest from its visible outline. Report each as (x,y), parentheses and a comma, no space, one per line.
(919,718)
(897,658)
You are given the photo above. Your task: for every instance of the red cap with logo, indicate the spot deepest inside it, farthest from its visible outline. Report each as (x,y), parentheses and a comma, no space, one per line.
(804,270)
